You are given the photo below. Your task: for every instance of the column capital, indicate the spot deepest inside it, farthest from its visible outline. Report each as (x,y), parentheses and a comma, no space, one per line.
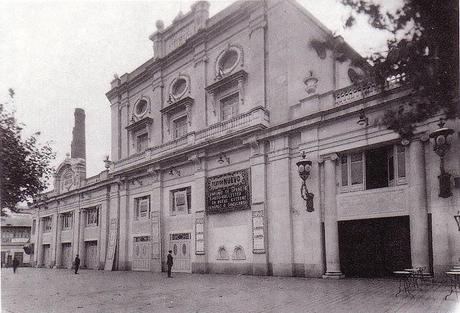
(330,156)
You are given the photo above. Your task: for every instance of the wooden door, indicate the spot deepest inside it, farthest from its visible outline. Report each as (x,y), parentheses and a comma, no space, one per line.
(141,253)
(179,244)
(91,254)
(66,255)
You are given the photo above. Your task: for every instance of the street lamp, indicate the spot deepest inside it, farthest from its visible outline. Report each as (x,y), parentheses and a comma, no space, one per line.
(304,168)
(442,141)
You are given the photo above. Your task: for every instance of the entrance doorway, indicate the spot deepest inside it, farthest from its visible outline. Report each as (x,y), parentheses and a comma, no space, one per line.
(179,244)
(46,255)
(91,254)
(66,255)
(141,253)
(20,257)
(374,247)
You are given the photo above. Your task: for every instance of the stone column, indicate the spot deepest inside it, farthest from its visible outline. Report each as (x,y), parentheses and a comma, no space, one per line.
(331,229)
(417,205)
(81,237)
(58,241)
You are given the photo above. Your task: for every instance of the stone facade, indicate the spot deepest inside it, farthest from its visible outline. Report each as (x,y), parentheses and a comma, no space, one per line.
(244,92)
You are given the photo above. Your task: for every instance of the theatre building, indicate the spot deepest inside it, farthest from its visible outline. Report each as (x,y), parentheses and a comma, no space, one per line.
(206,137)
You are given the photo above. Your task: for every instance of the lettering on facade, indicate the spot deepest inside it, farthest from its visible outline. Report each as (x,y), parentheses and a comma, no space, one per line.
(199,236)
(179,38)
(228,192)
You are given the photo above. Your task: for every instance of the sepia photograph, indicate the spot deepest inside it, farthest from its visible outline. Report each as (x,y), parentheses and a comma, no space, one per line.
(253,156)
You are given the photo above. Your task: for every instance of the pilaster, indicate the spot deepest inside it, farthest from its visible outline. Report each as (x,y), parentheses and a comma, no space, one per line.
(53,246)
(123,230)
(38,247)
(258,207)
(279,209)
(81,235)
(58,241)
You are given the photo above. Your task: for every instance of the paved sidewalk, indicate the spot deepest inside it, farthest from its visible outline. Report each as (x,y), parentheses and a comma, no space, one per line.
(46,290)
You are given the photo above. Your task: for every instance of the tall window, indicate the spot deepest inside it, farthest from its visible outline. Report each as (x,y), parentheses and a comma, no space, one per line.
(47,224)
(142,208)
(34,225)
(181,201)
(374,168)
(92,217)
(180,127)
(67,221)
(229,106)
(142,142)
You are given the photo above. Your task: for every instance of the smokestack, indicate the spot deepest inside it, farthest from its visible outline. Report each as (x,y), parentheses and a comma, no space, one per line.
(78,146)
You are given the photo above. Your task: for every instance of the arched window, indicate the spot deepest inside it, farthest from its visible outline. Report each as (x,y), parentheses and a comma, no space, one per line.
(222,253)
(238,253)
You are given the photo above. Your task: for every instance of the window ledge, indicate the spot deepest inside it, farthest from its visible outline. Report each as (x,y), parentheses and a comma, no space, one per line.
(375,190)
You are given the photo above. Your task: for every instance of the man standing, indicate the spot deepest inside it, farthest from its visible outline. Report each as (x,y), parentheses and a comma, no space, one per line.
(170,263)
(77,264)
(15,265)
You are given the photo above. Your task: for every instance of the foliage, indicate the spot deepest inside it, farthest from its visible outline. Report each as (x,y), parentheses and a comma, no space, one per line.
(25,163)
(423,47)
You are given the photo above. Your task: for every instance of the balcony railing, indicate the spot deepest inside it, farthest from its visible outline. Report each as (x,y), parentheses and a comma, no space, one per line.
(367,89)
(255,118)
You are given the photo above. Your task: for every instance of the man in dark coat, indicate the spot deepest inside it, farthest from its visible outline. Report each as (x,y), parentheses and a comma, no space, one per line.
(170,263)
(77,264)
(15,265)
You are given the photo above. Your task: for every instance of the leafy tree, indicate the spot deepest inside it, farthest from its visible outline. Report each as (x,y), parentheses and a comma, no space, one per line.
(423,47)
(24,162)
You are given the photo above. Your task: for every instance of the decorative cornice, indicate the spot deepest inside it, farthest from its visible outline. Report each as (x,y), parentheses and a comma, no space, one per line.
(184,102)
(240,75)
(140,123)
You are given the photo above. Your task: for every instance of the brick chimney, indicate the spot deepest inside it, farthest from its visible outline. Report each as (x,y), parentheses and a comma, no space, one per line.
(78,145)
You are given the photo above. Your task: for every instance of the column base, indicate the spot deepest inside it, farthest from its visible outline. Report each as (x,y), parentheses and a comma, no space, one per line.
(333,275)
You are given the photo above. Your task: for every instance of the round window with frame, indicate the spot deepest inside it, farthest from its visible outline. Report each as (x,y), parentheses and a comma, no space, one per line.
(228,61)
(141,107)
(179,87)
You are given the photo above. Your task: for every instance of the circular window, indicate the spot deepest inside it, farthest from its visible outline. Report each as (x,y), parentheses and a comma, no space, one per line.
(179,87)
(141,107)
(228,60)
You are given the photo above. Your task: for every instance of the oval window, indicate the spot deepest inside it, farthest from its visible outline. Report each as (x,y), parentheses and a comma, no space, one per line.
(175,249)
(184,249)
(179,87)
(228,60)
(137,250)
(141,107)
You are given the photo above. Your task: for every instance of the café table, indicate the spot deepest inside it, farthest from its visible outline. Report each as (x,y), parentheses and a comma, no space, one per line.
(454,277)
(404,283)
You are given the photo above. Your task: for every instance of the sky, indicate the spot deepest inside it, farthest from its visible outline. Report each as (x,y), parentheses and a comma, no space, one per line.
(62,55)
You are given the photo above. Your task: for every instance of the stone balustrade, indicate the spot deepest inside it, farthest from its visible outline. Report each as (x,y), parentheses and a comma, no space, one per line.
(366,89)
(255,118)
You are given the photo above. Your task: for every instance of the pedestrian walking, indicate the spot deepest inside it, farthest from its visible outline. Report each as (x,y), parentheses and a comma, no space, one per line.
(15,265)
(170,263)
(76,263)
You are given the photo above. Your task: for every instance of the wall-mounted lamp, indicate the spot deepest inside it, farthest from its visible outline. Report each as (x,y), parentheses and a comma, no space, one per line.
(304,168)
(363,119)
(223,158)
(107,162)
(457,219)
(173,171)
(442,141)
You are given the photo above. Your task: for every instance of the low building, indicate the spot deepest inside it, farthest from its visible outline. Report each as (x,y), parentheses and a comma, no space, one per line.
(206,140)
(15,229)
